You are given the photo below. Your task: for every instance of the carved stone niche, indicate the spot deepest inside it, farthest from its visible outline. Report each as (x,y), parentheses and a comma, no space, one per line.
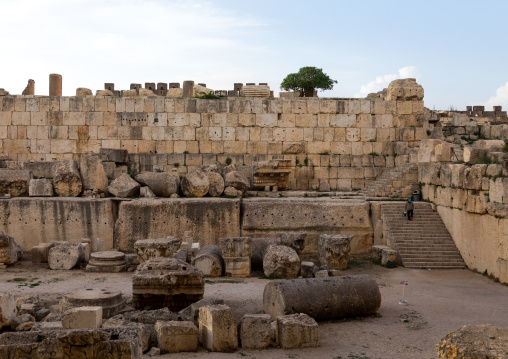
(166,282)
(273,173)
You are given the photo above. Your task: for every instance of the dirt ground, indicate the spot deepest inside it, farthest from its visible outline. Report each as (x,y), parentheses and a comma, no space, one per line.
(439,302)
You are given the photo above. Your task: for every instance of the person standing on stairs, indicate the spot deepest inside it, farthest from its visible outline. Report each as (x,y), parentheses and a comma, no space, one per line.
(409,209)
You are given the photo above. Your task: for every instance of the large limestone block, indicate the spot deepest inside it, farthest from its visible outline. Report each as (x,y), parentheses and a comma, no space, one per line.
(115,155)
(8,309)
(427,150)
(212,218)
(255,91)
(255,331)
(176,337)
(10,251)
(14,182)
(93,173)
(166,282)
(281,262)
(42,187)
(323,298)
(66,178)
(404,89)
(65,256)
(163,184)
(217,328)
(473,176)
(124,187)
(264,218)
(195,184)
(237,180)
(295,240)
(474,341)
(82,317)
(334,250)
(209,261)
(216,184)
(82,91)
(297,331)
(237,255)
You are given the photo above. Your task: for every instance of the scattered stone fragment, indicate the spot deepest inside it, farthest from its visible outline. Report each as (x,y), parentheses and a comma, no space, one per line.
(166,282)
(106,261)
(259,246)
(14,182)
(323,298)
(232,192)
(42,187)
(154,351)
(131,261)
(295,240)
(20,319)
(8,309)
(307,269)
(217,328)
(10,251)
(297,331)
(389,258)
(146,330)
(65,256)
(66,178)
(146,192)
(209,261)
(281,262)
(216,183)
(237,253)
(3,92)
(255,331)
(82,91)
(192,311)
(334,250)
(195,184)
(176,337)
(237,180)
(124,187)
(474,341)
(321,273)
(162,184)
(111,301)
(82,317)
(145,92)
(158,247)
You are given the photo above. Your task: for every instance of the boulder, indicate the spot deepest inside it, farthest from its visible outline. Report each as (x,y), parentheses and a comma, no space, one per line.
(104,93)
(232,192)
(82,91)
(14,182)
(195,184)
(20,319)
(42,187)
(281,262)
(10,251)
(404,90)
(216,184)
(162,184)
(145,92)
(237,180)
(66,256)
(66,178)
(474,341)
(93,173)
(124,186)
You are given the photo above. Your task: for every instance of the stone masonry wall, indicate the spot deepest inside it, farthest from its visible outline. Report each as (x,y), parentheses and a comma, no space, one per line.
(344,142)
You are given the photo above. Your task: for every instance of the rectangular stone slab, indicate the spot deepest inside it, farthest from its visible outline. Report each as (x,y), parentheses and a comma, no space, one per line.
(211,218)
(265,217)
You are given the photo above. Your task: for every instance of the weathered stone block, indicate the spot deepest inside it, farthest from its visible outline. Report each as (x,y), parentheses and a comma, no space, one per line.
(237,253)
(176,337)
(40,253)
(334,250)
(40,188)
(124,186)
(161,247)
(82,317)
(65,256)
(255,331)
(281,262)
(217,328)
(209,261)
(163,184)
(66,178)
(389,257)
(297,331)
(93,174)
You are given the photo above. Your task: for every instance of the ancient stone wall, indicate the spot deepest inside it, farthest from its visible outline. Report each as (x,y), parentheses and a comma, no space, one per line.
(346,143)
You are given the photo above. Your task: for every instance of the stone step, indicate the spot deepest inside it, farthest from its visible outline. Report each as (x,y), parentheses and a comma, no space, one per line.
(436,266)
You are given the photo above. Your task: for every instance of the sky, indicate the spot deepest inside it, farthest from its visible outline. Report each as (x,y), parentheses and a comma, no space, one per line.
(457,50)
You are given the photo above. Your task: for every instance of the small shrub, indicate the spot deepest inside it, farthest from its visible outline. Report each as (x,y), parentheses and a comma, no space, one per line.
(229,160)
(185,152)
(297,161)
(329,166)
(207,96)
(326,153)
(306,161)
(176,164)
(429,132)
(373,154)
(439,174)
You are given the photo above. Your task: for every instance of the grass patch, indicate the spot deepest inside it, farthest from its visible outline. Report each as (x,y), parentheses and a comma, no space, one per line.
(230,281)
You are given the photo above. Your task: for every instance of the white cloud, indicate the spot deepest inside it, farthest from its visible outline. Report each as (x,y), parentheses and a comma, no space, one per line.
(383,81)
(500,98)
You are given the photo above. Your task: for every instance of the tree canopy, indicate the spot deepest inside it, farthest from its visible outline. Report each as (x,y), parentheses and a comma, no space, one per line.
(307,80)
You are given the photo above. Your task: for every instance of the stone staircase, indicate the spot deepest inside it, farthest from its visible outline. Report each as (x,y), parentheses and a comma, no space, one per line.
(394,182)
(423,242)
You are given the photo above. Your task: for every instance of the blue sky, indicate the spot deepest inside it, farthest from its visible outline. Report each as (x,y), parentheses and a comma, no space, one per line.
(456,49)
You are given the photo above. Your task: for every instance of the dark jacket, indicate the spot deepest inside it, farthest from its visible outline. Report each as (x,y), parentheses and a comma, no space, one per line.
(409,206)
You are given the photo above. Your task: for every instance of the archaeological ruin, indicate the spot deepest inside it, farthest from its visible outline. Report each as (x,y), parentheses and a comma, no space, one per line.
(175,189)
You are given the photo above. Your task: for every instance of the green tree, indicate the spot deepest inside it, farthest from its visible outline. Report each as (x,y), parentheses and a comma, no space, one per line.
(307,80)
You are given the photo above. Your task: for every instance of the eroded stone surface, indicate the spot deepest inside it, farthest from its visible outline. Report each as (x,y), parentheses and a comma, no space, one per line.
(10,251)
(66,178)
(166,282)
(106,261)
(162,184)
(93,173)
(334,250)
(255,331)
(237,253)
(66,256)
(82,317)
(110,301)
(217,328)
(42,187)
(209,261)
(297,331)
(237,180)
(124,186)
(14,182)
(281,262)
(176,337)
(195,184)
(158,247)
(216,183)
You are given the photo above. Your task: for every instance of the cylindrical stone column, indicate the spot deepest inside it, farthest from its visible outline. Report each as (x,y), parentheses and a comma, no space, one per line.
(323,298)
(209,261)
(55,85)
(188,89)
